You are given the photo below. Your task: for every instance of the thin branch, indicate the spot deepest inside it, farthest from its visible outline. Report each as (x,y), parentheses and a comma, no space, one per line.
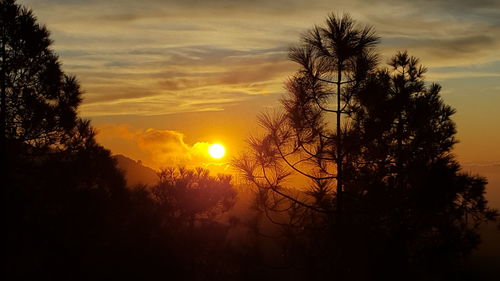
(274,188)
(299,171)
(313,155)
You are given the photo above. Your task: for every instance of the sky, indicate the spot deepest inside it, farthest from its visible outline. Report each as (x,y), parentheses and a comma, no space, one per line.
(163,79)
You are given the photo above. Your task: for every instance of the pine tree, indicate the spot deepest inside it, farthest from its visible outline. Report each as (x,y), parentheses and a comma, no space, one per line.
(38,100)
(373,145)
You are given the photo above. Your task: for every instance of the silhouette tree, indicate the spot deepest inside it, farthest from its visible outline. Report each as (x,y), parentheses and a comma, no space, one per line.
(68,215)
(194,195)
(335,61)
(382,179)
(192,208)
(61,191)
(38,101)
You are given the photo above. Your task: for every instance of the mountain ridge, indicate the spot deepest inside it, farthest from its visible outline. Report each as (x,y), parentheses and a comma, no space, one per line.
(135,172)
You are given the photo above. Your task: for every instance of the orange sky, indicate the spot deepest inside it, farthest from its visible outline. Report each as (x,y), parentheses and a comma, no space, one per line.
(163,77)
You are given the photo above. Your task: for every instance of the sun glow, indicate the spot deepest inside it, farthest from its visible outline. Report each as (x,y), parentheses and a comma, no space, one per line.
(216,150)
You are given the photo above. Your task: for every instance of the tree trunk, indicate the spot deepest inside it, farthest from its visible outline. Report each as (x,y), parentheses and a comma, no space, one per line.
(339,142)
(3,106)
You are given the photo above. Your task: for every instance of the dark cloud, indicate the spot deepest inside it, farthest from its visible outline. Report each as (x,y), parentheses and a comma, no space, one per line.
(459,49)
(464,45)
(117,94)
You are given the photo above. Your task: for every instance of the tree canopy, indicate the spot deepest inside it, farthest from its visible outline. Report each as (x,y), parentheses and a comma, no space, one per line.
(39,100)
(68,213)
(373,146)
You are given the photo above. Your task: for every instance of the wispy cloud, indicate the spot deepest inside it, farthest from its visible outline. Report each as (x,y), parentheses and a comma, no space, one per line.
(159,57)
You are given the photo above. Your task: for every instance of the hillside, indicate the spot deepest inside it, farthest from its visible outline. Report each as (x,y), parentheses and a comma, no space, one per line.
(135,172)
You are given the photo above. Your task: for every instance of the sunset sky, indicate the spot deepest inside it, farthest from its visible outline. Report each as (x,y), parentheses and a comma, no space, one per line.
(163,78)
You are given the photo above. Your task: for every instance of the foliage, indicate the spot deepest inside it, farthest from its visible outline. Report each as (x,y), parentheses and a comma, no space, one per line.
(68,214)
(382,184)
(193,194)
(39,99)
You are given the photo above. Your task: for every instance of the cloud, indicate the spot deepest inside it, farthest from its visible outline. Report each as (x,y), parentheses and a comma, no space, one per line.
(161,57)
(156,148)
(192,80)
(456,50)
(163,143)
(140,60)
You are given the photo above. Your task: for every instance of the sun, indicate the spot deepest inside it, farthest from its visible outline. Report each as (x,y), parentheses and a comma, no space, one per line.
(216,150)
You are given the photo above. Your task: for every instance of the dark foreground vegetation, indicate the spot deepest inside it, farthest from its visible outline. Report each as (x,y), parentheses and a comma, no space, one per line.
(384,198)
